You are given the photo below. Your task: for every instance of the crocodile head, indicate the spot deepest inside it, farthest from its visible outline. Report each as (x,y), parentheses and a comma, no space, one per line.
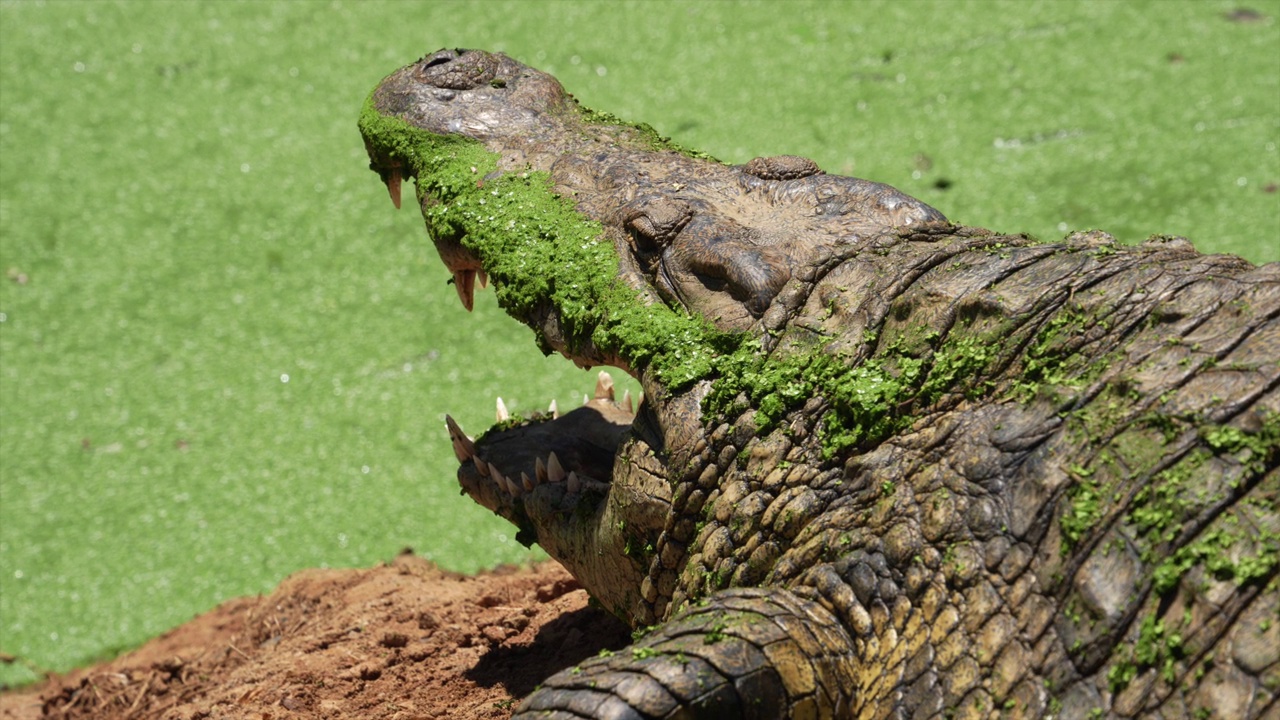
(618,248)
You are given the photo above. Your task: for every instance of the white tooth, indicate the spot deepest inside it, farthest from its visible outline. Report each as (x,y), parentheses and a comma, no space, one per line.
(464,281)
(502,413)
(483,278)
(585,399)
(540,470)
(573,484)
(463,448)
(502,481)
(481,465)
(555,471)
(526,482)
(604,386)
(626,402)
(553,411)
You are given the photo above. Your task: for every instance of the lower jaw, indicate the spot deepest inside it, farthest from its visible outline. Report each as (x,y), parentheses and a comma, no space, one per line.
(517,456)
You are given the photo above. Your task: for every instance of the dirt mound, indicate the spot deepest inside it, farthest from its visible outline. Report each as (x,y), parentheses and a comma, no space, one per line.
(404,640)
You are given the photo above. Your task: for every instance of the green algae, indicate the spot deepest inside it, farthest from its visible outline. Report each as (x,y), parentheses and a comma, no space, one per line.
(1158,646)
(908,371)
(1051,362)
(959,362)
(1162,503)
(1085,502)
(542,253)
(862,396)
(1160,508)
(1241,545)
(648,137)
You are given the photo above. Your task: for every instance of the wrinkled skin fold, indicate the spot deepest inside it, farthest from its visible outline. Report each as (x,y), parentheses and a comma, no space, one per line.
(884,466)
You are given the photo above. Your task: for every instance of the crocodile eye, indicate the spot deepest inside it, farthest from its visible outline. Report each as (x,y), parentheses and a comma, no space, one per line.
(655,221)
(782,167)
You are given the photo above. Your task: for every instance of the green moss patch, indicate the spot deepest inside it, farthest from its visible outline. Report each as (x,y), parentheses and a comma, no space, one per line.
(541,253)
(909,371)
(647,136)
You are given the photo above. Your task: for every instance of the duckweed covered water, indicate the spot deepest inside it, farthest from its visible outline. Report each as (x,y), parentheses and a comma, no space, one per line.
(224,357)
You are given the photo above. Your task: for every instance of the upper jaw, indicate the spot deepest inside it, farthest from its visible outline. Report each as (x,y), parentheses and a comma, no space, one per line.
(466,269)
(390,169)
(463,265)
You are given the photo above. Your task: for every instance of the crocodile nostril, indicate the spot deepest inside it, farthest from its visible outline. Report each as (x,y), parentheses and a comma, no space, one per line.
(457,69)
(442,56)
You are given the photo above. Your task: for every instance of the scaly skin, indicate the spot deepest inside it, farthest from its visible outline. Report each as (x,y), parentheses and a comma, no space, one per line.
(885,466)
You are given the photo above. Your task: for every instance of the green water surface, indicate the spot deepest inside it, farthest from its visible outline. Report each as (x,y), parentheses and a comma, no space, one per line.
(224,357)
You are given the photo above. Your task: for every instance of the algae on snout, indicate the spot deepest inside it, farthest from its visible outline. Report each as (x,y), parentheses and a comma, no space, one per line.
(540,252)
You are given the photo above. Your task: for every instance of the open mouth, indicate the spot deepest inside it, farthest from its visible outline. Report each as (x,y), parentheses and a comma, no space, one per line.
(589,485)
(562,458)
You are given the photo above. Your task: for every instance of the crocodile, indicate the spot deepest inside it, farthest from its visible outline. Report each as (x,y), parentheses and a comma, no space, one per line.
(883,465)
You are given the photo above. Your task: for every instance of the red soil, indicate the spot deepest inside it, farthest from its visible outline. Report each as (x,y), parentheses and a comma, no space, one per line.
(404,640)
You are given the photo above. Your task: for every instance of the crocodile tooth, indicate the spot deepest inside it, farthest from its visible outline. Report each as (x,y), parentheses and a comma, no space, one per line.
(482,277)
(626,402)
(513,487)
(463,448)
(393,185)
(502,413)
(503,482)
(464,281)
(553,411)
(573,483)
(481,465)
(604,386)
(585,399)
(540,470)
(555,471)
(526,482)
